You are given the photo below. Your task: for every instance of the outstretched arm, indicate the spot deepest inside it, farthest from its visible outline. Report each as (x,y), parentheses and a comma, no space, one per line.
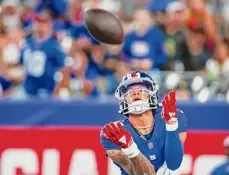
(129,157)
(174,139)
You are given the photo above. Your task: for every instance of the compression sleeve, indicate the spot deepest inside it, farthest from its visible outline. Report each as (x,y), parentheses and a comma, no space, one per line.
(173,150)
(173,146)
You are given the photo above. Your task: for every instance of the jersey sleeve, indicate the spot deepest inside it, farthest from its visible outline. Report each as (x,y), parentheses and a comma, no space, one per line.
(183,121)
(108,145)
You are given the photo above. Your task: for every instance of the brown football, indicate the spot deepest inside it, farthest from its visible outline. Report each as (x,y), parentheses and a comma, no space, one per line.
(104,26)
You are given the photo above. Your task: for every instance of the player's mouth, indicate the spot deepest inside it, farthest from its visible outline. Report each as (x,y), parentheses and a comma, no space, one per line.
(136,99)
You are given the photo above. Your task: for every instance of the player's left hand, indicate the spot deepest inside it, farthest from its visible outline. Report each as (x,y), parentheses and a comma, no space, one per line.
(169,111)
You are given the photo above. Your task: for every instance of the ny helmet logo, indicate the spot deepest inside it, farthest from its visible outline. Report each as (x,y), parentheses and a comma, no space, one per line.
(134,74)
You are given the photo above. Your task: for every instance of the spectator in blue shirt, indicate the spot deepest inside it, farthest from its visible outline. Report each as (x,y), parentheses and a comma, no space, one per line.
(42,57)
(223,169)
(144,46)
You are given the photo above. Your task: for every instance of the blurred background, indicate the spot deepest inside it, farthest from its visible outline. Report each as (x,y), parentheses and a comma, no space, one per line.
(54,75)
(182,44)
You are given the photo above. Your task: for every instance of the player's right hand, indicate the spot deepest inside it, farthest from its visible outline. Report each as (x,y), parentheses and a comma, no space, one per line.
(169,111)
(117,134)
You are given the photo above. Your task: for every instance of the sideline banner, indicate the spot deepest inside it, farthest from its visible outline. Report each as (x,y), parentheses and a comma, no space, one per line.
(77,151)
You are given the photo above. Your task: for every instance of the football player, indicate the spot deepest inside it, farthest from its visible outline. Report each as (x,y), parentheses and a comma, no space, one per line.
(150,137)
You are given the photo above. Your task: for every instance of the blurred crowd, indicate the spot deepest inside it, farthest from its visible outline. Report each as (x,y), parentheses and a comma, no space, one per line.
(46,51)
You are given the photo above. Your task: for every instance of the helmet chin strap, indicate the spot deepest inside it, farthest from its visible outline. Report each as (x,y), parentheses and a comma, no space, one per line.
(139,107)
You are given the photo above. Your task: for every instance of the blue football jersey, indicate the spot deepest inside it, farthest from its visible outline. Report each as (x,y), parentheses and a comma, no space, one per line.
(150,45)
(41,61)
(152,146)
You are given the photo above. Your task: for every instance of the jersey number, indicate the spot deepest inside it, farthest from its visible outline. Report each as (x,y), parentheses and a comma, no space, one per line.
(35,62)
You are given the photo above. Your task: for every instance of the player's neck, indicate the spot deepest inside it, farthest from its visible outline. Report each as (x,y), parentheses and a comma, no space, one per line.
(144,123)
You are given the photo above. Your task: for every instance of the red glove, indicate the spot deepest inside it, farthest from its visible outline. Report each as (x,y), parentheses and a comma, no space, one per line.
(115,133)
(169,111)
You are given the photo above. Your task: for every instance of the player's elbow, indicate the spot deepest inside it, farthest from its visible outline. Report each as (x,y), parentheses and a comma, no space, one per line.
(174,165)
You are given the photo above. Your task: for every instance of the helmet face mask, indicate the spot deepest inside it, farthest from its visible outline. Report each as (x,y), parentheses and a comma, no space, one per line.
(137,94)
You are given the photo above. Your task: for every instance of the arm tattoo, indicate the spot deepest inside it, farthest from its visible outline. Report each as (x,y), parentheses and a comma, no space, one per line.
(142,165)
(138,165)
(119,157)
